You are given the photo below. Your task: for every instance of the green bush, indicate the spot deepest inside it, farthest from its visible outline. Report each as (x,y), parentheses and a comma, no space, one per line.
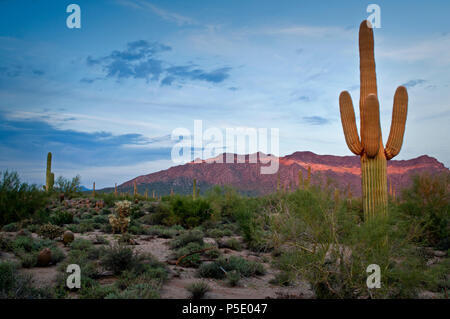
(191,260)
(28,260)
(233,278)
(192,236)
(57,255)
(61,218)
(18,200)
(16,286)
(188,212)
(119,258)
(50,231)
(221,266)
(12,227)
(138,291)
(81,244)
(427,204)
(198,289)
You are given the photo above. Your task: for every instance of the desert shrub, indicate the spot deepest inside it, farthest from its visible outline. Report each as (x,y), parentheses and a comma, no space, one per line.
(86,226)
(192,236)
(18,200)
(221,266)
(188,212)
(198,289)
(11,227)
(24,243)
(6,244)
(69,188)
(212,253)
(57,255)
(100,219)
(138,291)
(97,291)
(137,229)
(233,278)
(61,218)
(283,278)
(191,260)
(427,204)
(16,286)
(164,231)
(231,243)
(329,246)
(159,215)
(218,233)
(50,231)
(119,258)
(81,244)
(210,270)
(28,260)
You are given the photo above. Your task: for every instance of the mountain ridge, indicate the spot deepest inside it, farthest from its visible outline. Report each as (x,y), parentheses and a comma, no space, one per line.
(343,171)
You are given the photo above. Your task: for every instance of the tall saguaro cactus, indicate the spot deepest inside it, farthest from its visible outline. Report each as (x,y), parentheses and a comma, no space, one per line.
(49,176)
(370,147)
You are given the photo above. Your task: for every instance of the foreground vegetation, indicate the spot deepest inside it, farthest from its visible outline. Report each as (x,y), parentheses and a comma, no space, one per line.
(312,234)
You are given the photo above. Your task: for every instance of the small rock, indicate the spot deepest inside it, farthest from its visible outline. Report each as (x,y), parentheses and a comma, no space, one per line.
(439,253)
(44,257)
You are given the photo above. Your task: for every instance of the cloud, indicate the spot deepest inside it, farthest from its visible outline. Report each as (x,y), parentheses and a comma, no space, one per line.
(315,120)
(162,13)
(413,83)
(140,61)
(36,137)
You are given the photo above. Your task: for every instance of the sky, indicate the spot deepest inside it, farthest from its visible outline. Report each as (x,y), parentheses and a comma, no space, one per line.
(105,98)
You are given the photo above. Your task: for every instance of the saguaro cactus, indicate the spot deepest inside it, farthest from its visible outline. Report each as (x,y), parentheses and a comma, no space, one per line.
(370,147)
(134,189)
(300,179)
(49,176)
(194,190)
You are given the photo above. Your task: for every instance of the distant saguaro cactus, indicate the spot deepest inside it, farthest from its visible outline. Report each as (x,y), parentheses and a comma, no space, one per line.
(49,176)
(93,190)
(300,179)
(194,189)
(370,147)
(308,178)
(115,190)
(134,189)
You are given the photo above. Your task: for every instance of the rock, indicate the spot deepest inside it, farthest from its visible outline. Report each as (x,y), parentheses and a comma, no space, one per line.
(439,253)
(68,237)
(44,257)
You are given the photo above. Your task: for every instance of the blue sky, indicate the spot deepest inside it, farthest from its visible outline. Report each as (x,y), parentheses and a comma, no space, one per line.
(105,98)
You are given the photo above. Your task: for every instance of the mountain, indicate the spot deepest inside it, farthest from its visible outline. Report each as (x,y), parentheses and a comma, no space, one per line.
(341,171)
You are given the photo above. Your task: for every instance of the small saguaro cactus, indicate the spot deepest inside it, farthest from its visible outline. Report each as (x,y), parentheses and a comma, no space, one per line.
(93,190)
(308,178)
(300,179)
(49,176)
(115,190)
(370,147)
(194,190)
(134,189)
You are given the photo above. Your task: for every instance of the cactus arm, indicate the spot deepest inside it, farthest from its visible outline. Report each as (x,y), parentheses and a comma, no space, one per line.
(370,129)
(349,123)
(368,77)
(399,112)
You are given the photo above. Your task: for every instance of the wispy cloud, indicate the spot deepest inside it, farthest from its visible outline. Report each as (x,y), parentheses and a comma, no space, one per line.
(179,19)
(315,120)
(413,83)
(140,60)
